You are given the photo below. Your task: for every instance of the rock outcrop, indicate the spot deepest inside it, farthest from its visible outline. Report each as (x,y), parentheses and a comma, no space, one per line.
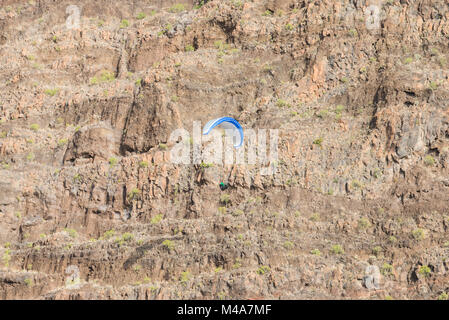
(92,207)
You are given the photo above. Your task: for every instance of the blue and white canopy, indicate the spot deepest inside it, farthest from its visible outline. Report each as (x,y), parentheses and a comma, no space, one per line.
(226,123)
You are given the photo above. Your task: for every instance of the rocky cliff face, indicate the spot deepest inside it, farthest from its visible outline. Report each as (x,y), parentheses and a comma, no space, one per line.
(91,205)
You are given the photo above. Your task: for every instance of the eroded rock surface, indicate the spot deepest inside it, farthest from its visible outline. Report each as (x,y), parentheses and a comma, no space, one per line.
(92,207)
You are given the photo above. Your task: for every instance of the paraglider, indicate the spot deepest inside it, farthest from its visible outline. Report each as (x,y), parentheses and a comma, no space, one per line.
(227,123)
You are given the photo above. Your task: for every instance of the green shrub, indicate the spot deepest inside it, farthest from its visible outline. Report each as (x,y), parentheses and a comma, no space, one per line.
(377,173)
(141,15)
(429,160)
(337,249)
(189,48)
(318,141)
(443,296)
(93,81)
(419,234)
(206,165)
(339,108)
(72,232)
(124,24)
(6,257)
(185,277)
(281,103)
(353,33)
(108,234)
(51,92)
(156,219)
(237,264)
(392,239)
(315,252)
(168,244)
(30,156)
(34,127)
(323,113)
(364,223)
(424,271)
(377,250)
(163,146)
(143,164)
(176,8)
(267,13)
(433,85)
(408,60)
(288,245)
(105,76)
(263,269)
(225,198)
(133,194)
(28,282)
(113,161)
(289,26)
(386,269)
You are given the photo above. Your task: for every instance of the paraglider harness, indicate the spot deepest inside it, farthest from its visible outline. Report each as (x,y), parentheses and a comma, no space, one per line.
(223,186)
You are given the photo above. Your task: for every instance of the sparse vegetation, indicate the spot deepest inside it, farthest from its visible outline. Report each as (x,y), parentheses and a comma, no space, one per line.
(225,199)
(288,245)
(168,244)
(429,161)
(337,249)
(6,257)
(71,232)
(156,219)
(141,15)
(28,282)
(108,234)
(289,27)
(124,24)
(267,13)
(353,33)
(386,269)
(425,271)
(143,164)
(263,269)
(419,234)
(318,141)
(189,48)
(443,296)
(51,92)
(176,8)
(281,103)
(126,237)
(105,76)
(185,277)
(433,85)
(134,194)
(222,210)
(62,142)
(364,223)
(112,161)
